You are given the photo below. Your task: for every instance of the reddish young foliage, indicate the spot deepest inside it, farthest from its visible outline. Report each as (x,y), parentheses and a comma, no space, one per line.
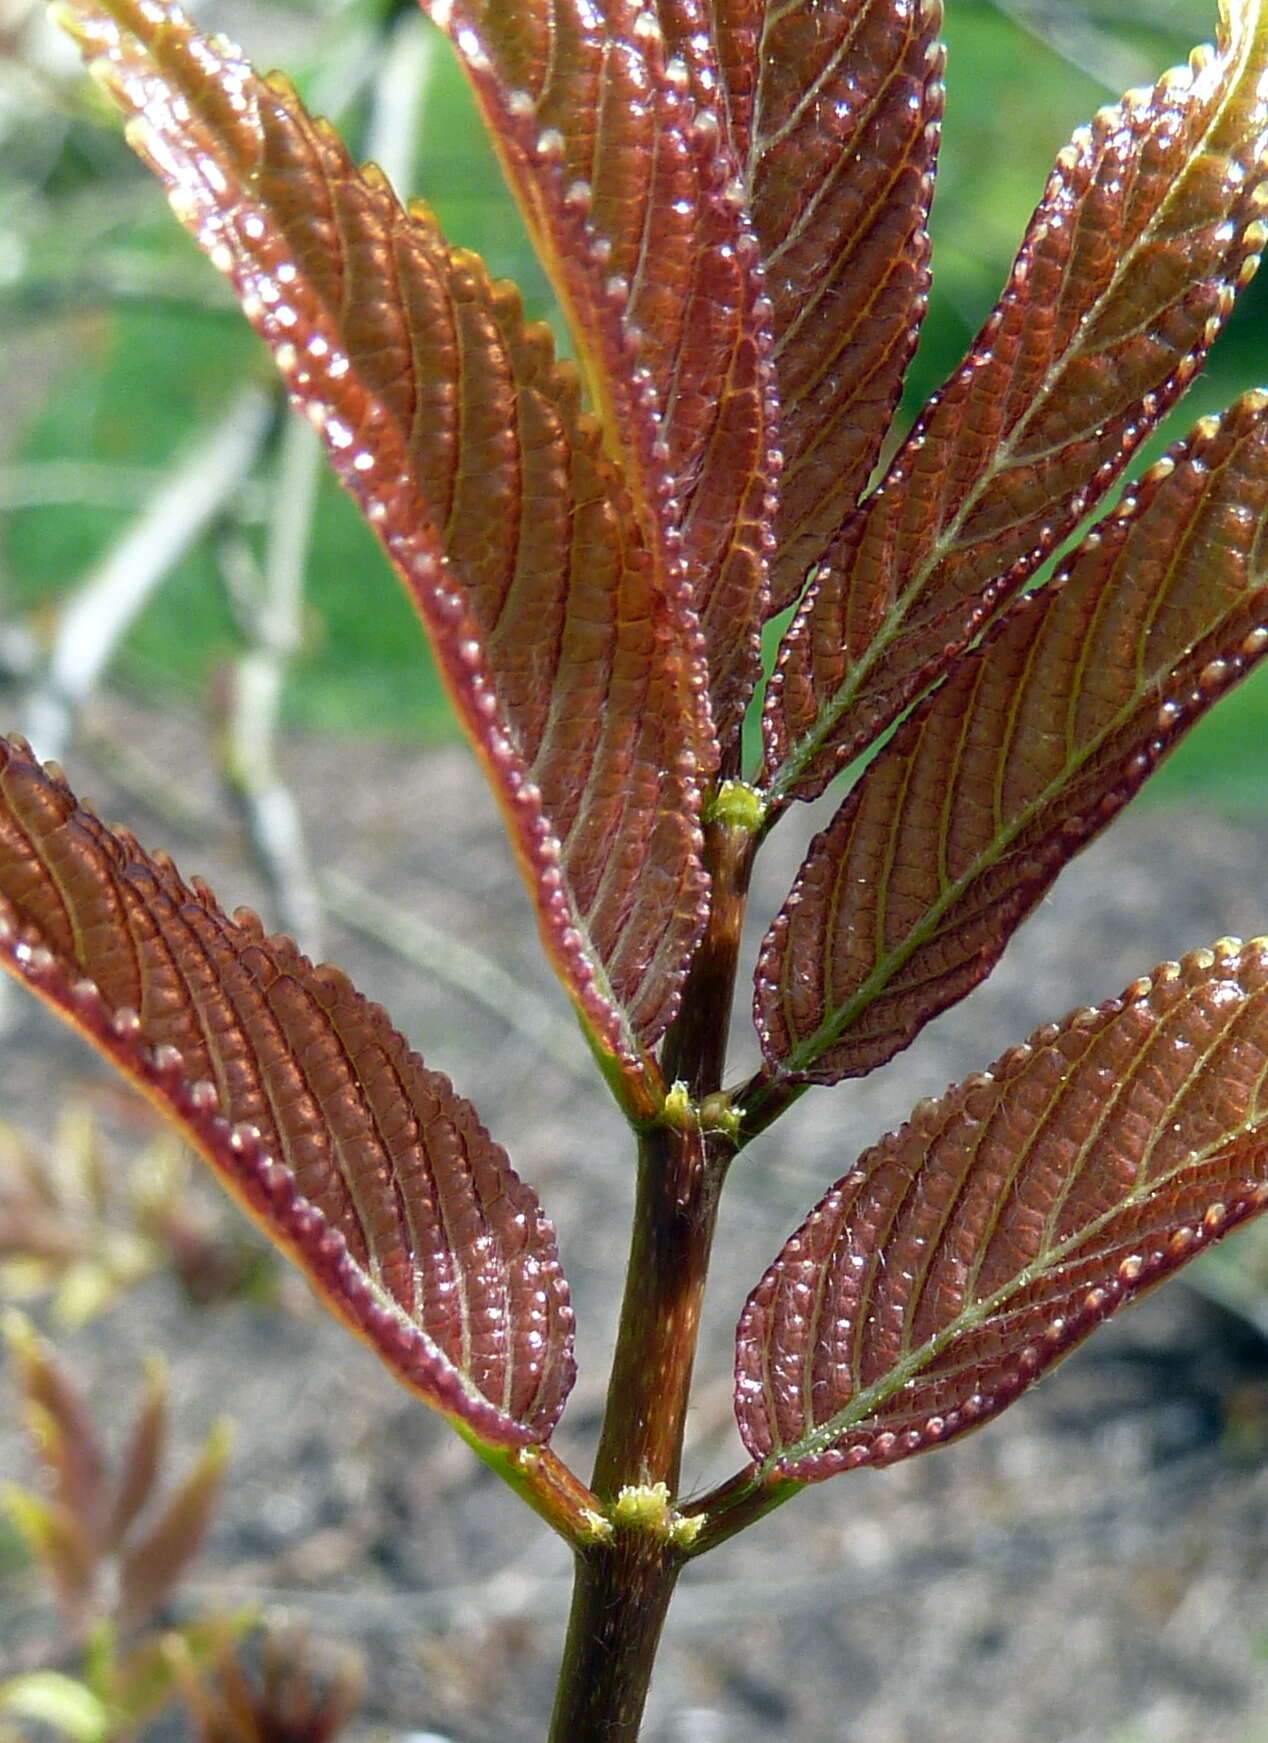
(730,198)
(108,1548)
(840,164)
(1028,749)
(968,1252)
(467,449)
(365,1166)
(612,104)
(1149,225)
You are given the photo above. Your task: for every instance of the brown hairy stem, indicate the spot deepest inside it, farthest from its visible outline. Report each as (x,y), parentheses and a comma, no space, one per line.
(621,1594)
(623,1585)
(675,1211)
(680,1173)
(695,1047)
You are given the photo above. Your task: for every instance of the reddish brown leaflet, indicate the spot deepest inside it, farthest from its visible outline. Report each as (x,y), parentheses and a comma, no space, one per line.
(730,199)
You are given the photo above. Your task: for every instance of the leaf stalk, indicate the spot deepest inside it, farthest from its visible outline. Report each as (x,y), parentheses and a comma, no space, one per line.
(736,1504)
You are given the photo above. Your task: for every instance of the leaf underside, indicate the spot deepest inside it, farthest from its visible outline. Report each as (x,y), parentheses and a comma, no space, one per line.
(1149,226)
(618,157)
(968,1252)
(363,1165)
(839,153)
(731,201)
(1031,746)
(463,441)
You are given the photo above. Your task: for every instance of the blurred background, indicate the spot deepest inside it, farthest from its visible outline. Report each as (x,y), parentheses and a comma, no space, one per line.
(120,350)
(191,608)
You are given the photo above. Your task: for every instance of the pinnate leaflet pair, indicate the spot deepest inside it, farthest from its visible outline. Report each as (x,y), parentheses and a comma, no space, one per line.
(730,198)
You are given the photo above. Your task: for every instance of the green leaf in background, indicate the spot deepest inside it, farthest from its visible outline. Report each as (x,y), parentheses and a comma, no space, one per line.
(158,373)
(59,1702)
(161,372)
(996,153)
(160,363)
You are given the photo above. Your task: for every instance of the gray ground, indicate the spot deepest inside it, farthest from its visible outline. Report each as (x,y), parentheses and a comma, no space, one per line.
(1091,1567)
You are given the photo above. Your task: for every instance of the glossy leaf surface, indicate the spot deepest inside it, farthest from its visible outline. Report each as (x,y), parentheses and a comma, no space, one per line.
(840,159)
(592,115)
(464,444)
(1149,225)
(1026,751)
(366,1167)
(972,1249)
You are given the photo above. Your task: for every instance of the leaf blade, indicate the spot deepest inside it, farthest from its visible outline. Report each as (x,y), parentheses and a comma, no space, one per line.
(142,1457)
(1149,226)
(58,1541)
(976,1246)
(1026,751)
(463,442)
(363,1165)
(840,163)
(627,116)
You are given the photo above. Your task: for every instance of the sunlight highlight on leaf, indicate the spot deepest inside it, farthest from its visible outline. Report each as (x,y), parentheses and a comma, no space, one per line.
(971,1250)
(597,117)
(1149,226)
(462,440)
(1030,747)
(840,170)
(367,1168)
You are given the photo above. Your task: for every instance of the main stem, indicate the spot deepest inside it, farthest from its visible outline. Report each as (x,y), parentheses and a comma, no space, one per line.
(620,1596)
(624,1584)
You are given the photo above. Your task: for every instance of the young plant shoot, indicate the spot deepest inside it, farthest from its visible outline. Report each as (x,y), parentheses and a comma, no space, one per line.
(730,199)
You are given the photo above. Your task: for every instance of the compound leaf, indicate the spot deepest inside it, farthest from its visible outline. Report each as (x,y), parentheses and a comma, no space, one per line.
(367,1168)
(968,1252)
(612,143)
(1149,225)
(463,442)
(1025,752)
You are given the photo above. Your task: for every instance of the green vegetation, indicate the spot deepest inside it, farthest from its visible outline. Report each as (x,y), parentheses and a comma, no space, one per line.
(151,348)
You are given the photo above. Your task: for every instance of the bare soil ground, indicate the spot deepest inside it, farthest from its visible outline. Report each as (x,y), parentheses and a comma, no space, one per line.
(1092,1567)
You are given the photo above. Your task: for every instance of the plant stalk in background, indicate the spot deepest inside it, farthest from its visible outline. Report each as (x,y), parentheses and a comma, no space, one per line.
(731,200)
